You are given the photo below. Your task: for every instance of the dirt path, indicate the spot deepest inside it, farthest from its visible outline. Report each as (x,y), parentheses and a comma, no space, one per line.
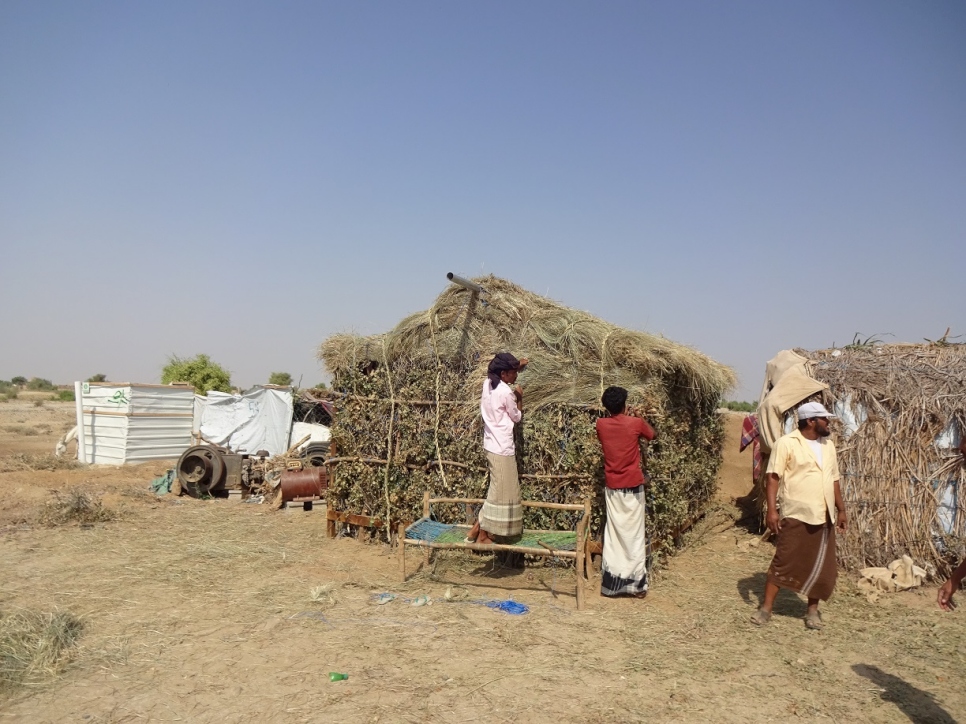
(203,611)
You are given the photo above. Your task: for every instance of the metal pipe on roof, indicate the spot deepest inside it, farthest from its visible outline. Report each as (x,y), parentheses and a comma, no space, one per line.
(465,283)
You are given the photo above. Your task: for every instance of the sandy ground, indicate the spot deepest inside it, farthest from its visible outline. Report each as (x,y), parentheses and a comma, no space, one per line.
(200,611)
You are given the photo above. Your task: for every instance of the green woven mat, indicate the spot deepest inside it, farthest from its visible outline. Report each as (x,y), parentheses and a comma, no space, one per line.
(558,540)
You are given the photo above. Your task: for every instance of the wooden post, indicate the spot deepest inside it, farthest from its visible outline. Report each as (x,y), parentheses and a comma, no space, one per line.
(330,521)
(401,542)
(581,530)
(588,559)
(426,514)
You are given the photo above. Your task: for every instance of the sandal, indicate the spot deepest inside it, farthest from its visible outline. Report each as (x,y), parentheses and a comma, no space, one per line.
(813,621)
(760,617)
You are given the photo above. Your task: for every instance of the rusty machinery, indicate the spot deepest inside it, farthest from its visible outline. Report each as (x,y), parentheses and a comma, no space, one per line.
(213,471)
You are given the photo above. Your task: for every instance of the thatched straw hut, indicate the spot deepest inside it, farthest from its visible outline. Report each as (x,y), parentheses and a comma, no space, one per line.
(408,406)
(902,410)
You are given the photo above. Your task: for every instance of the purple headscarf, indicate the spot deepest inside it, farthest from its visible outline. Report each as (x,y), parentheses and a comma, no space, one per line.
(501,363)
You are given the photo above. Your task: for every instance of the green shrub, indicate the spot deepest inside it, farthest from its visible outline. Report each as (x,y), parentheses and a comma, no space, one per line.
(38,383)
(63,396)
(740,406)
(283,379)
(10,395)
(199,372)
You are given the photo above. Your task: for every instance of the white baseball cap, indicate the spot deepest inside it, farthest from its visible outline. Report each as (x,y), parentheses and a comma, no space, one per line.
(813,409)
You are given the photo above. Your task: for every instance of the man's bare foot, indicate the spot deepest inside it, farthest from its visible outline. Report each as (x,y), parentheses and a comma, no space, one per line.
(483,538)
(474,533)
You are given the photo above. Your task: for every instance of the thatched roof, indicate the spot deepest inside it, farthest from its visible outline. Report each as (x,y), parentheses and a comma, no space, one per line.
(930,376)
(573,355)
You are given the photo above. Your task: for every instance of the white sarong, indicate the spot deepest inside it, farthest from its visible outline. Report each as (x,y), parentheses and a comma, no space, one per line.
(625,545)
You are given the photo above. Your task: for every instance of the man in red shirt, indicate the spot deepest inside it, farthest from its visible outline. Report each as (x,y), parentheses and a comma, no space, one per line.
(625,545)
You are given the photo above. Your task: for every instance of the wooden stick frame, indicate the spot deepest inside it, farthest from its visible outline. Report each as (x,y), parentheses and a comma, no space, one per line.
(579,554)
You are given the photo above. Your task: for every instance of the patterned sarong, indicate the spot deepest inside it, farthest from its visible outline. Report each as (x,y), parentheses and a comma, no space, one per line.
(502,513)
(805,559)
(750,435)
(625,546)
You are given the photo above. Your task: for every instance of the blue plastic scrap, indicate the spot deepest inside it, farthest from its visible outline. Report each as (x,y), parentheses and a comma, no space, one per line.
(508,606)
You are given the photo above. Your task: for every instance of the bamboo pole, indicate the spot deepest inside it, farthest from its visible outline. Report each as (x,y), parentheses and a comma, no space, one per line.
(551,476)
(490,547)
(426,511)
(428,465)
(401,542)
(525,503)
(329,521)
(552,506)
(587,559)
(297,445)
(579,562)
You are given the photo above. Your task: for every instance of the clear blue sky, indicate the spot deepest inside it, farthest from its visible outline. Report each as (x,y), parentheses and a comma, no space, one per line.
(247,178)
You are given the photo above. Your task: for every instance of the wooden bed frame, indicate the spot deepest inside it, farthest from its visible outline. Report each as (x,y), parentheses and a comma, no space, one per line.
(580,554)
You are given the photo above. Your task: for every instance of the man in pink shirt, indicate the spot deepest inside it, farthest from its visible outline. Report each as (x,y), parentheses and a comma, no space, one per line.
(500,406)
(625,545)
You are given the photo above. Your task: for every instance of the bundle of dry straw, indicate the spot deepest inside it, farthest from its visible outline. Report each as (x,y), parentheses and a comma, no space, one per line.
(408,405)
(901,472)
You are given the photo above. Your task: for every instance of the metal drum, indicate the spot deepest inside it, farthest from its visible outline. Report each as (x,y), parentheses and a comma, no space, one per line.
(201,469)
(306,484)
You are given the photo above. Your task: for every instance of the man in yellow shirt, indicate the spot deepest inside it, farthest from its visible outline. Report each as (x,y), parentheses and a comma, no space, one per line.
(804,496)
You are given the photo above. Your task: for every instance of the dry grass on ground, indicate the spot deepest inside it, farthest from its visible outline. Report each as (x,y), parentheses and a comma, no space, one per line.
(34,647)
(222,611)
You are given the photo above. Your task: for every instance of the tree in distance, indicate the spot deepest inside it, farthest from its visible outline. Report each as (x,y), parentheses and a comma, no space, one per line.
(97,378)
(199,371)
(283,379)
(321,386)
(18,381)
(740,406)
(38,383)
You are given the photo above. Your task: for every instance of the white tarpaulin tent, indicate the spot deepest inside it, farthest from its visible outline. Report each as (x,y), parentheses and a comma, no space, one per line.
(260,419)
(130,423)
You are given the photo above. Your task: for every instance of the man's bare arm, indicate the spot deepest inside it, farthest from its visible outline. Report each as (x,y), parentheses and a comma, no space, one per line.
(772,519)
(841,518)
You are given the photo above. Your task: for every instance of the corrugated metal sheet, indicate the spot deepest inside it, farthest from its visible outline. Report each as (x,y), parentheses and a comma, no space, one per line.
(128,423)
